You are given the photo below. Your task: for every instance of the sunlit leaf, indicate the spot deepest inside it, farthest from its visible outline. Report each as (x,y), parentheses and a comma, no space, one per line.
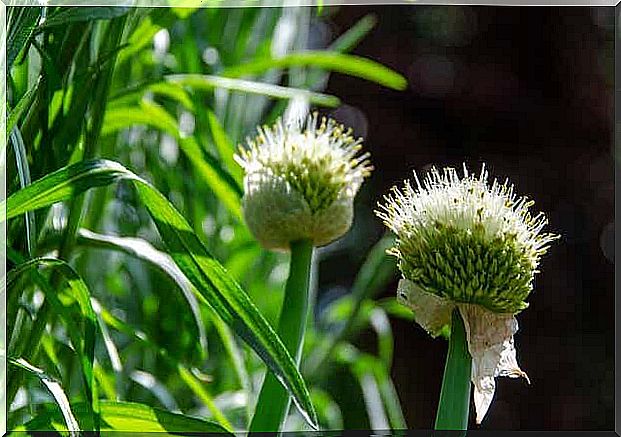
(69,421)
(207,275)
(207,82)
(143,250)
(126,417)
(84,344)
(21,24)
(67,15)
(342,63)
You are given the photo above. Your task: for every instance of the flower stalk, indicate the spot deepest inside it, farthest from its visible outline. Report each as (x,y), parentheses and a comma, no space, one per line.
(273,402)
(454,405)
(300,182)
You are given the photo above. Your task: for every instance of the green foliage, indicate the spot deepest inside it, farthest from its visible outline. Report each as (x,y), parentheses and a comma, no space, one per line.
(126,417)
(128,302)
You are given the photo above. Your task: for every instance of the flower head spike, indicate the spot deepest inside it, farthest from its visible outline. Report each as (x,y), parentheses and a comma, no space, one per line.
(300,181)
(463,242)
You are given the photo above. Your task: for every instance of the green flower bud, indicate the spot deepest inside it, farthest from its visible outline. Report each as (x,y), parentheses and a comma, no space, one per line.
(300,181)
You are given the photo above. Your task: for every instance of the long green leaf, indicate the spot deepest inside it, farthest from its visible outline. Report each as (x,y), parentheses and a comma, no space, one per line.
(208,276)
(207,82)
(206,398)
(55,390)
(75,14)
(225,147)
(219,180)
(353,35)
(85,345)
(21,25)
(20,107)
(126,417)
(347,64)
(143,250)
(62,185)
(23,172)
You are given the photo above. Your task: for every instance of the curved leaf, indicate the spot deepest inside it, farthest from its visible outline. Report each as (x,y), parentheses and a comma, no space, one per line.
(75,14)
(127,417)
(23,172)
(219,180)
(214,285)
(143,250)
(55,390)
(207,82)
(84,345)
(347,64)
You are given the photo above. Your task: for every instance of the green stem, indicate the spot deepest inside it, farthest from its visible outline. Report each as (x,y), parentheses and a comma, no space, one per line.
(454,403)
(273,403)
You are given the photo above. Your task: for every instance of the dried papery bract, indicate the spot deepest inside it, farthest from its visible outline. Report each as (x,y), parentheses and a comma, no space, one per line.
(467,244)
(300,181)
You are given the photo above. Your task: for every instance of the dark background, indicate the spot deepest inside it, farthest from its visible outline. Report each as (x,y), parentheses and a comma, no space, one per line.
(528,91)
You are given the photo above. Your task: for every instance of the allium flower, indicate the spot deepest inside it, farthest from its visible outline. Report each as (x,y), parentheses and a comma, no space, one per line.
(464,243)
(300,181)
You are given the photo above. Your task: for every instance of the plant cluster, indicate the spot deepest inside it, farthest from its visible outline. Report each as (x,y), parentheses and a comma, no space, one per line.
(151,299)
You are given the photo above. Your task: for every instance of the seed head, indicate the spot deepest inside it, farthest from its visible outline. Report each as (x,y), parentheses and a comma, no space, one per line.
(467,240)
(300,181)
(467,245)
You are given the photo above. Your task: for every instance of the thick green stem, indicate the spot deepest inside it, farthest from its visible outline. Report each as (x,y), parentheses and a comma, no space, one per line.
(273,403)
(454,403)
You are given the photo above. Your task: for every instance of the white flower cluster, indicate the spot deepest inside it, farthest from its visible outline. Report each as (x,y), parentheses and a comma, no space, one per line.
(465,203)
(466,245)
(300,181)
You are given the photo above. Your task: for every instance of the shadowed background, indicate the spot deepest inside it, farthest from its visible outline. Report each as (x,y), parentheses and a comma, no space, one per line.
(528,91)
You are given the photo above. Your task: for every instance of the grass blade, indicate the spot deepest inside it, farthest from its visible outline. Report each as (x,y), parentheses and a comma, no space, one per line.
(84,345)
(197,387)
(74,14)
(23,172)
(126,417)
(354,34)
(143,250)
(208,83)
(338,62)
(55,390)
(21,25)
(225,147)
(24,103)
(215,286)
(61,185)
(209,169)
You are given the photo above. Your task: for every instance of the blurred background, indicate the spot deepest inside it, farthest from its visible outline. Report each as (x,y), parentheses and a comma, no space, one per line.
(528,91)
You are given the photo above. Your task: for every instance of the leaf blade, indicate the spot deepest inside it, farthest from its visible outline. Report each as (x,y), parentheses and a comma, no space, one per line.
(128,417)
(209,82)
(207,275)
(55,390)
(357,66)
